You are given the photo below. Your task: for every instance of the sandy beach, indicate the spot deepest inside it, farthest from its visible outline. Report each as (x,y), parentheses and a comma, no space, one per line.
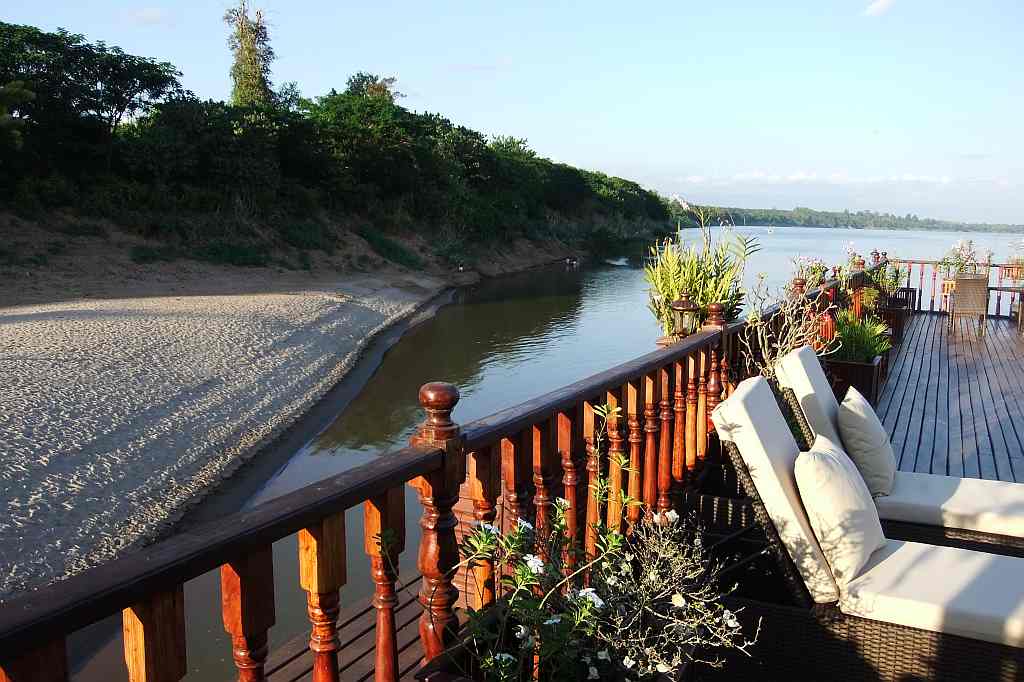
(117,413)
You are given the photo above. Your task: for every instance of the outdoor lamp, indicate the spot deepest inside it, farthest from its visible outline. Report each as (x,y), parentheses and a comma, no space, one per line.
(684,313)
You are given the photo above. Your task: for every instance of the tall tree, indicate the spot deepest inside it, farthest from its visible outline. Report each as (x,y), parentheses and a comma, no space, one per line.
(12,94)
(250,43)
(366,84)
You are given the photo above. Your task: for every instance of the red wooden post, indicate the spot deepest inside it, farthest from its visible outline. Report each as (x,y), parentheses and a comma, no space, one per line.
(636,439)
(615,455)
(384,541)
(716,321)
(692,402)
(247,608)
(999,294)
(651,428)
(570,482)
(322,573)
(438,492)
(665,463)
(920,290)
(47,662)
(154,637)
(515,483)
(935,272)
(593,474)
(680,431)
(540,449)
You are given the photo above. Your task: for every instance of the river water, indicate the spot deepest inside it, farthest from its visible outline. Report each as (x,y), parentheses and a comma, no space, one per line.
(501,342)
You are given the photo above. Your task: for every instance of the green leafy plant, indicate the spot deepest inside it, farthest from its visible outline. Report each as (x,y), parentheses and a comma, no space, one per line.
(709,271)
(651,603)
(860,340)
(390,249)
(889,278)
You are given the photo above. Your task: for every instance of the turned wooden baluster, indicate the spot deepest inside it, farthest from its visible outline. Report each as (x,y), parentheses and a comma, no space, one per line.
(438,493)
(593,474)
(702,407)
(636,439)
(515,499)
(665,464)
(714,388)
(692,400)
(45,663)
(247,609)
(799,286)
(999,294)
(542,474)
(651,427)
(484,488)
(615,456)
(680,431)
(564,439)
(920,290)
(321,575)
(716,322)
(154,637)
(857,297)
(384,541)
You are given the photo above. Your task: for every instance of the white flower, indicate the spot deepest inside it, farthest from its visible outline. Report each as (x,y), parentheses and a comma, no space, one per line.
(662,668)
(628,662)
(554,620)
(487,527)
(603,655)
(589,594)
(525,525)
(534,563)
(671,515)
(562,502)
(678,600)
(612,580)
(522,632)
(657,517)
(628,556)
(592,674)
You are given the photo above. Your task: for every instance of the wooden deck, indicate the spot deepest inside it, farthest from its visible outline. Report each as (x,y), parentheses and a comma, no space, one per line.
(954,402)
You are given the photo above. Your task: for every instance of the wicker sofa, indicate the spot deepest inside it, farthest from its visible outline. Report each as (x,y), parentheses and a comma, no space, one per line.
(938,510)
(915,611)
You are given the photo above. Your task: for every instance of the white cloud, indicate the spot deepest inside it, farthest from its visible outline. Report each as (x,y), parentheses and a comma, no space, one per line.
(149,16)
(878,8)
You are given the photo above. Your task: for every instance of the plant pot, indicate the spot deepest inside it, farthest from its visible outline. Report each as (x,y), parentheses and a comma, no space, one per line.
(905,296)
(895,317)
(866,377)
(665,341)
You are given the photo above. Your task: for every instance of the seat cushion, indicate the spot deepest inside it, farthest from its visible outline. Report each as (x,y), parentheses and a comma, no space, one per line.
(801,371)
(751,419)
(942,589)
(867,442)
(965,503)
(840,509)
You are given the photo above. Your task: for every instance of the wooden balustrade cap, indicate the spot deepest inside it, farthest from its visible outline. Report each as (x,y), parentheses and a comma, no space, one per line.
(439,396)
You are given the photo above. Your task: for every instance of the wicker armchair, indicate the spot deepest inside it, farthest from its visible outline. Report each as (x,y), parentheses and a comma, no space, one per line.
(970,299)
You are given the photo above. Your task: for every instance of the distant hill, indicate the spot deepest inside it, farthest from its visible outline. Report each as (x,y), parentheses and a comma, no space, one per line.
(807,217)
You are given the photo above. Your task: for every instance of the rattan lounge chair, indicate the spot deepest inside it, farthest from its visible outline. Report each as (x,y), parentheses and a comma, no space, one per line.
(970,513)
(914,612)
(970,299)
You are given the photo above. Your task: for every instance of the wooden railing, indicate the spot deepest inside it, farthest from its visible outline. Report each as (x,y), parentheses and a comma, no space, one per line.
(510,465)
(927,281)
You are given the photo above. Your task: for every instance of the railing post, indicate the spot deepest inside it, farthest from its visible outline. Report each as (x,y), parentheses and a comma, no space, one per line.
(247,609)
(438,492)
(799,287)
(384,541)
(322,574)
(154,637)
(564,429)
(45,663)
(716,321)
(651,427)
(665,442)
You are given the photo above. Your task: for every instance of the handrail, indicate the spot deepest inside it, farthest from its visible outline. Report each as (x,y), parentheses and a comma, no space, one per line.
(101,591)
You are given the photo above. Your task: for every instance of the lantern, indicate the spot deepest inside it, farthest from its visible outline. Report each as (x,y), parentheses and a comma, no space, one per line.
(684,314)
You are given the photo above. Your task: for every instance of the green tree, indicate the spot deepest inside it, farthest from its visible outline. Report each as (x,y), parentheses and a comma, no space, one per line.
(11,95)
(250,43)
(363,84)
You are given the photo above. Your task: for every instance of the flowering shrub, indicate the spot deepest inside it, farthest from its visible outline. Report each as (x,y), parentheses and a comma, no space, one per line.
(813,270)
(646,602)
(961,258)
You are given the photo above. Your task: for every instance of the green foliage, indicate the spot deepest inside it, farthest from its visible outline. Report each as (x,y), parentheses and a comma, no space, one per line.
(708,272)
(806,217)
(390,249)
(232,253)
(308,235)
(12,94)
(860,340)
(363,84)
(250,44)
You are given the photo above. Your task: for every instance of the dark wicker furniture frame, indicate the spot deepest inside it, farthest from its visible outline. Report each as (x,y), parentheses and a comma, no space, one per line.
(803,640)
(993,543)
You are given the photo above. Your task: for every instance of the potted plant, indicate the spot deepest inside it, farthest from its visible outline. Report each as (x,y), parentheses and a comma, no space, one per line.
(892,308)
(643,606)
(708,271)
(858,360)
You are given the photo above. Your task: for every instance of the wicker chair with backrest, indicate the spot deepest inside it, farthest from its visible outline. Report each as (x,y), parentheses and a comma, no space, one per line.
(970,299)
(970,513)
(914,612)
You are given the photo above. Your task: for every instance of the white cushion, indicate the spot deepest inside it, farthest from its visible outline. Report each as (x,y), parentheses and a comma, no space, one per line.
(751,419)
(942,589)
(801,371)
(967,503)
(866,442)
(840,508)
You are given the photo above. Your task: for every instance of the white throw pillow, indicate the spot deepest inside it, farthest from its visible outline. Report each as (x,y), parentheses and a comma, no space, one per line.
(840,509)
(867,443)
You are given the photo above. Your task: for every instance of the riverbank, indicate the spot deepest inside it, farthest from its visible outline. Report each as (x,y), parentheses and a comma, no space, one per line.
(136,390)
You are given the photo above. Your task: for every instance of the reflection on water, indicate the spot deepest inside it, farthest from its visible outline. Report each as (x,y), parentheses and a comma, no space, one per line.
(503,342)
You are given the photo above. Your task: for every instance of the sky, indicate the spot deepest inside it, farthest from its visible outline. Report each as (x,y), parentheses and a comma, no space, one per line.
(902,106)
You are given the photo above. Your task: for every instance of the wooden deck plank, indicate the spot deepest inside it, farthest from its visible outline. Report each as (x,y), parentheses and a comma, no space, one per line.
(953,401)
